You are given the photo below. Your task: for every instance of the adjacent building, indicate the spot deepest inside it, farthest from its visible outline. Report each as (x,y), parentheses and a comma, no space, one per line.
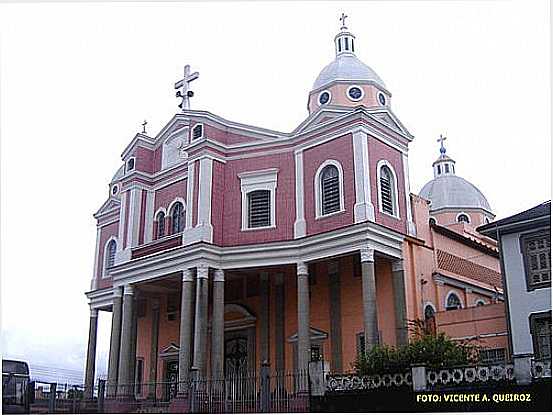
(525,246)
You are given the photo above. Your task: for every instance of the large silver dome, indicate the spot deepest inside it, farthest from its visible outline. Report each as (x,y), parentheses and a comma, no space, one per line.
(450,191)
(346,67)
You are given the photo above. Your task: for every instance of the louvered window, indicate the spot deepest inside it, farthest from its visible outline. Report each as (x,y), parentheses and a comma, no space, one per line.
(259,208)
(177,218)
(197,131)
(110,253)
(330,189)
(387,191)
(540,329)
(160,224)
(537,257)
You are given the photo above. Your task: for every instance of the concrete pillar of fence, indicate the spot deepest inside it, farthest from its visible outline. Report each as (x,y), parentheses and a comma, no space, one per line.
(265,387)
(523,368)
(52,400)
(317,377)
(418,374)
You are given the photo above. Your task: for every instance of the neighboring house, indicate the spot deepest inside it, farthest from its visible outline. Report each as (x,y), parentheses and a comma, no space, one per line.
(224,245)
(525,246)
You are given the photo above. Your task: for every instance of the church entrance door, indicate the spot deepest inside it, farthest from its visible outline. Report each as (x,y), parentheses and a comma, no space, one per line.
(171,379)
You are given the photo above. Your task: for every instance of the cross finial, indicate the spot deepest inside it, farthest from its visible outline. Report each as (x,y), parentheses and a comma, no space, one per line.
(183,87)
(441,141)
(144,126)
(343,20)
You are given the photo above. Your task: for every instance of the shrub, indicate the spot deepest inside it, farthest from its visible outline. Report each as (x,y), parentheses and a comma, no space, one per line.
(425,348)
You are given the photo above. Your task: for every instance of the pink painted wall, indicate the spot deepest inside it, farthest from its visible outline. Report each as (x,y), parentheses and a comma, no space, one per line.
(106,232)
(380,151)
(341,150)
(165,195)
(284,207)
(225,137)
(144,160)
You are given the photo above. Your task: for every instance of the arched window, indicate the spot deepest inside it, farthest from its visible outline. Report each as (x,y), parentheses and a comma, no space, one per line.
(387,190)
(432,221)
(111,249)
(428,312)
(480,303)
(177,218)
(330,190)
(453,302)
(463,218)
(160,225)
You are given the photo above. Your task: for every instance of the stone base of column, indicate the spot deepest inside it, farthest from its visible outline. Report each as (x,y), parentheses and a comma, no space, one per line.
(180,404)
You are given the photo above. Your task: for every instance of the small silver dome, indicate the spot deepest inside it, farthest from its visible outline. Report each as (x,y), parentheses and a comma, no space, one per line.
(450,191)
(346,67)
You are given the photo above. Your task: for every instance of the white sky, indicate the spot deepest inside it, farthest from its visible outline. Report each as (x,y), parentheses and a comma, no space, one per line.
(77,80)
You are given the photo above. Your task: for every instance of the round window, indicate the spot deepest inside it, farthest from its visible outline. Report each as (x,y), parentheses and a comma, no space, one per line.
(381,98)
(355,93)
(324,97)
(114,190)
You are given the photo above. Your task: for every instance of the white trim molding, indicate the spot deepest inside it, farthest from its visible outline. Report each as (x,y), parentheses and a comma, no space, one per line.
(94,282)
(258,180)
(449,293)
(300,226)
(355,99)
(462,213)
(363,209)
(174,201)
(411,229)
(189,195)
(318,191)
(149,217)
(133,225)
(395,194)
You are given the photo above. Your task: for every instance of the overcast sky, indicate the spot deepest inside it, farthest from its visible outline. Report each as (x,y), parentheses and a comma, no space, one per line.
(77,80)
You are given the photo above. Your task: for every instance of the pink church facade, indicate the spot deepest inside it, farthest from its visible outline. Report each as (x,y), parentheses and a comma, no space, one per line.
(223,246)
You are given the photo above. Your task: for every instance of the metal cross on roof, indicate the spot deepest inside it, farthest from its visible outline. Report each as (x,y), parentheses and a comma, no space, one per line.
(183,87)
(343,20)
(144,126)
(441,141)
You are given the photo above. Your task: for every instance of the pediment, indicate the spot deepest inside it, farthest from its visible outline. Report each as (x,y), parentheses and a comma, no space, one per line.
(388,117)
(314,334)
(319,117)
(109,205)
(171,350)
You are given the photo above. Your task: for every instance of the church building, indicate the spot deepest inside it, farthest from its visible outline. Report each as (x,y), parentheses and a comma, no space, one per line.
(224,246)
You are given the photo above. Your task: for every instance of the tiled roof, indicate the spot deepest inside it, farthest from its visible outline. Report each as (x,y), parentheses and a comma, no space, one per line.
(460,266)
(543,209)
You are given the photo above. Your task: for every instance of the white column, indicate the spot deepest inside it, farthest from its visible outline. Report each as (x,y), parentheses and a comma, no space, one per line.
(133,224)
(218,325)
(122,221)
(299,224)
(363,209)
(94,281)
(368,282)
(304,339)
(185,336)
(189,195)
(149,216)
(411,229)
(204,199)
(200,326)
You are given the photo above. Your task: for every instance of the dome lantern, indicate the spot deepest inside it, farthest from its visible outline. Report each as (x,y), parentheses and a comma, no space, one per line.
(444,165)
(344,41)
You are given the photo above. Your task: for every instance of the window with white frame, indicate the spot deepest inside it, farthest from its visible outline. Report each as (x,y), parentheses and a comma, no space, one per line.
(540,329)
(197,131)
(109,255)
(463,218)
(160,225)
(536,251)
(177,218)
(329,185)
(258,198)
(130,164)
(387,189)
(453,302)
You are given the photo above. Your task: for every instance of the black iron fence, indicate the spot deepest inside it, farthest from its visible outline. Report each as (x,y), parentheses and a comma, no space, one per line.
(54,397)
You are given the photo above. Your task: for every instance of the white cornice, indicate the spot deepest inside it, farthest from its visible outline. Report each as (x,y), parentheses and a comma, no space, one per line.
(143,140)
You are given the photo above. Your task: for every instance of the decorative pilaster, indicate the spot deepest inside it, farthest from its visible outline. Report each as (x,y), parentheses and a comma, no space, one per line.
(280,318)
(400,309)
(335,306)
(149,216)
(154,349)
(304,340)
(204,198)
(115,342)
(185,337)
(200,326)
(218,325)
(124,378)
(264,316)
(91,354)
(370,321)
(300,227)
(363,209)
(411,228)
(133,224)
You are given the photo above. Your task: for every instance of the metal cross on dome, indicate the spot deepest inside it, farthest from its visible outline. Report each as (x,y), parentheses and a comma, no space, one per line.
(441,141)
(183,87)
(343,20)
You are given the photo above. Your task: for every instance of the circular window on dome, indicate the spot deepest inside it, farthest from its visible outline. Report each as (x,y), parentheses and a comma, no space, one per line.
(355,93)
(381,98)
(324,97)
